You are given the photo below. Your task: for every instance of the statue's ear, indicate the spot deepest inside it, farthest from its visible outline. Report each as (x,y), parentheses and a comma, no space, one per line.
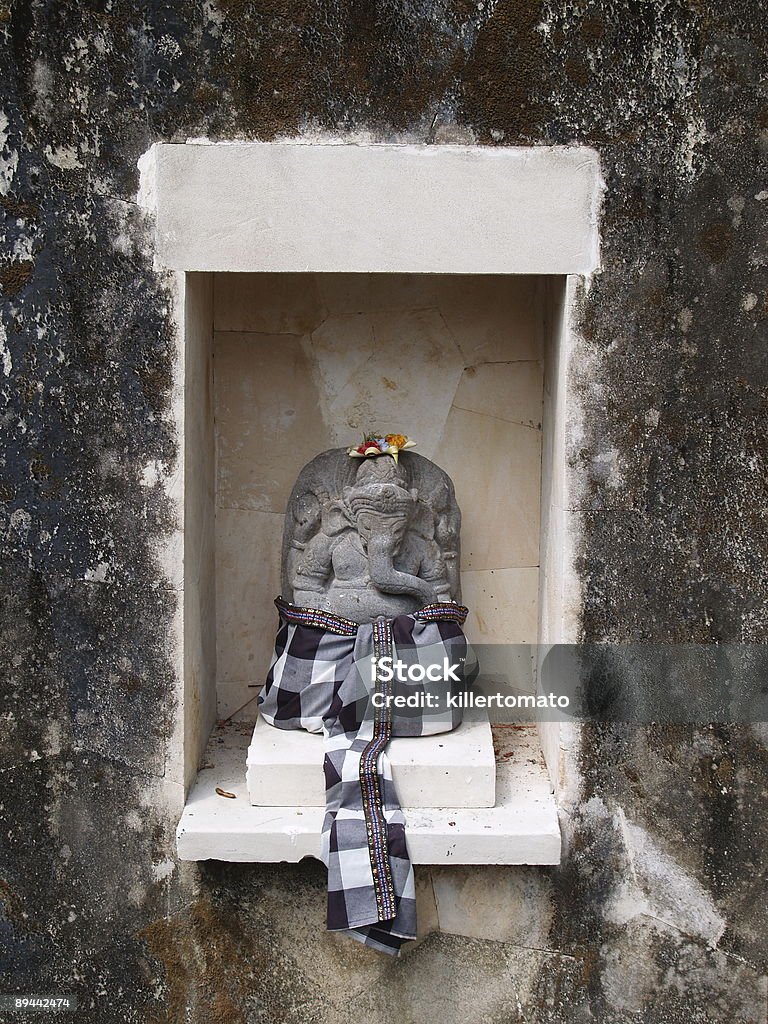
(306,507)
(336,518)
(423,521)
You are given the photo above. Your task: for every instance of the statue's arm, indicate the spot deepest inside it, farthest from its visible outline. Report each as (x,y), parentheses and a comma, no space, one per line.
(434,571)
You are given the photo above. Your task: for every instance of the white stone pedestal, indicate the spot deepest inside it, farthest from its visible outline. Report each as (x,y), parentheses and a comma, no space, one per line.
(220,823)
(454,769)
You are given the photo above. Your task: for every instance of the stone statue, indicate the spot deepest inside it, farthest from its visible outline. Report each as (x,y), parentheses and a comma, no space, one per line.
(370,537)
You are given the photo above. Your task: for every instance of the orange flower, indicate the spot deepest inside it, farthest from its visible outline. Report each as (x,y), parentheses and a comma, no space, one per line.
(398,440)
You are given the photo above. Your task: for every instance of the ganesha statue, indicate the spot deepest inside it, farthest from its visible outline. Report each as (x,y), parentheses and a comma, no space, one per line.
(370,572)
(372,536)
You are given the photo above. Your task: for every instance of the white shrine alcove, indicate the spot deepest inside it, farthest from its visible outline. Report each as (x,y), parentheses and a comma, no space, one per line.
(322,289)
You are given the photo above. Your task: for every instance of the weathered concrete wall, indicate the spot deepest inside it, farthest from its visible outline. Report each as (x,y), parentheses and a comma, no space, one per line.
(658,913)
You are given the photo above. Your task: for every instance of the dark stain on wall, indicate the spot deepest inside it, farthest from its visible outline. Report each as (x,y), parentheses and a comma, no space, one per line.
(670,374)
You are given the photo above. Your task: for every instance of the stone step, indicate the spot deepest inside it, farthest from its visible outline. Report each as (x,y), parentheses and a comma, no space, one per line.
(455,769)
(522,828)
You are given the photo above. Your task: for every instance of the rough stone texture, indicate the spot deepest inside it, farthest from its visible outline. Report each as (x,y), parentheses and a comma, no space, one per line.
(669,456)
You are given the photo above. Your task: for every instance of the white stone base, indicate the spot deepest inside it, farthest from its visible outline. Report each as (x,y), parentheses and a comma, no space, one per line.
(521,829)
(456,769)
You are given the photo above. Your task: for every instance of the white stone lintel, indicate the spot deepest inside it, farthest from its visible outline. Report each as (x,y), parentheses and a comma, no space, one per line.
(521,829)
(329,208)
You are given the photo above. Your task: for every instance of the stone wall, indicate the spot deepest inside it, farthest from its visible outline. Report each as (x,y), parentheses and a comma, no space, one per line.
(658,911)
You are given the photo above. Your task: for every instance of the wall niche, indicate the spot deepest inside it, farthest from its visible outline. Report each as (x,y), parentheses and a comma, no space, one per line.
(305,362)
(283,366)
(323,290)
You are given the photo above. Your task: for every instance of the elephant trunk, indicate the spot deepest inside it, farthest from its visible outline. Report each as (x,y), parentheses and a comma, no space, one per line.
(381,553)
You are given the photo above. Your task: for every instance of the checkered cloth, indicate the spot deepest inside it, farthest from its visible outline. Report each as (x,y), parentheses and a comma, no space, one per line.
(322,679)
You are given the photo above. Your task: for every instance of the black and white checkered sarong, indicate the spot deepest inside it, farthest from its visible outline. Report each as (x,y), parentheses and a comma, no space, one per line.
(322,679)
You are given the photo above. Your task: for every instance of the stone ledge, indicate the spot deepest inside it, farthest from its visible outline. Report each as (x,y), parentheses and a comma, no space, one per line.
(457,769)
(522,828)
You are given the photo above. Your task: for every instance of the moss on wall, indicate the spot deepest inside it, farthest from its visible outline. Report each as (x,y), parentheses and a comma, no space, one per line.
(658,911)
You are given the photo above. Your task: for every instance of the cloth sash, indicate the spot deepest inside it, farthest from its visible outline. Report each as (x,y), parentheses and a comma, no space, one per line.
(322,679)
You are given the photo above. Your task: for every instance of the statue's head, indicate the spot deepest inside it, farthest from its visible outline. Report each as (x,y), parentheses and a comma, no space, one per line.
(379,503)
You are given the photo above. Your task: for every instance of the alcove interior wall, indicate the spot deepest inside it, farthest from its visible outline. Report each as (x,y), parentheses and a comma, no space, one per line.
(281,366)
